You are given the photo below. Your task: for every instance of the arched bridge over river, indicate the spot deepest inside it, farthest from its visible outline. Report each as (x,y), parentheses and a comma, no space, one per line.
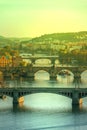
(33,59)
(74,93)
(30,70)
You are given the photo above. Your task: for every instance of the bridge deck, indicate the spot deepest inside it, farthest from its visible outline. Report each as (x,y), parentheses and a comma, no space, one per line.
(20,89)
(74,93)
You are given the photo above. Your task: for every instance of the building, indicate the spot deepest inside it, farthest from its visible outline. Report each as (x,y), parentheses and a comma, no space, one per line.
(5,61)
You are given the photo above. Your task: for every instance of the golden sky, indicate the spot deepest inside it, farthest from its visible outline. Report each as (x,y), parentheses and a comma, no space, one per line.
(31,18)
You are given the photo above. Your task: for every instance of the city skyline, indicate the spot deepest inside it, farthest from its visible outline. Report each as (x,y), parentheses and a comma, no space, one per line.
(20,18)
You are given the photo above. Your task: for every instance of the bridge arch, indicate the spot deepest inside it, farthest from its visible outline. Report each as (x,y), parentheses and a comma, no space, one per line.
(26,62)
(66,75)
(64,94)
(42,75)
(84,76)
(21,94)
(47,100)
(44,61)
(73,93)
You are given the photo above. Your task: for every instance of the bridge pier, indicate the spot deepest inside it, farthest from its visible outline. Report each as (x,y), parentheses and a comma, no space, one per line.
(15,97)
(30,76)
(76,108)
(75,98)
(53,77)
(77,78)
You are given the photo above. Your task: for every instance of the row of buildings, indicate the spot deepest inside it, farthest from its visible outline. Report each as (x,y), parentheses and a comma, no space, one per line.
(10,61)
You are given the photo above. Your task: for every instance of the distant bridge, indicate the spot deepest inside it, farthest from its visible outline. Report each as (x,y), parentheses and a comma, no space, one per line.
(53,70)
(30,70)
(34,58)
(74,93)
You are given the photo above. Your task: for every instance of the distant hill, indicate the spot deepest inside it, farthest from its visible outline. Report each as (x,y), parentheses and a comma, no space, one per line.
(47,38)
(59,37)
(6,41)
(20,39)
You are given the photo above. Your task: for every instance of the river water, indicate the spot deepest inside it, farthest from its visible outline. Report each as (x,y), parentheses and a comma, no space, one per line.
(44,111)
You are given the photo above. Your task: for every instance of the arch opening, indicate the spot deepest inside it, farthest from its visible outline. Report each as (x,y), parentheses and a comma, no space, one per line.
(84,76)
(57,62)
(47,101)
(65,76)
(26,62)
(42,75)
(43,62)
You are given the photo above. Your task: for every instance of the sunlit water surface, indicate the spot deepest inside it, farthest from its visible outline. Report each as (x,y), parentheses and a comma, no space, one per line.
(44,111)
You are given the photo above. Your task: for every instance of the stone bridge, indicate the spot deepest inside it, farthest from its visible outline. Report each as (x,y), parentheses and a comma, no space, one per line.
(34,58)
(30,70)
(74,93)
(53,71)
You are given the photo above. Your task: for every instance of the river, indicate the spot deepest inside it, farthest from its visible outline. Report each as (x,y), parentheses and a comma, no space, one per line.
(44,111)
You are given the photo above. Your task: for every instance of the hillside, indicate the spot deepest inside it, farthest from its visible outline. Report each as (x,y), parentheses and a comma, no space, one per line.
(11,41)
(47,38)
(60,37)
(5,41)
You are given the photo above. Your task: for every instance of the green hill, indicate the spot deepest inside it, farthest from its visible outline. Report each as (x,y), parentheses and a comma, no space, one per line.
(60,37)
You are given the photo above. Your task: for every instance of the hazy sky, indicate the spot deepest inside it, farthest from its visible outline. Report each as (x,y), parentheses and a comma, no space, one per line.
(30,18)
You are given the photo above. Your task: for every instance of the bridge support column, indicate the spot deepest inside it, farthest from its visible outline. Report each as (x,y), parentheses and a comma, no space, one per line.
(77,105)
(75,98)
(15,97)
(30,76)
(53,77)
(77,78)
(33,61)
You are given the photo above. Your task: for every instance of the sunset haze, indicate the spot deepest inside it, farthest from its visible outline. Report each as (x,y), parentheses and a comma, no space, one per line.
(31,18)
